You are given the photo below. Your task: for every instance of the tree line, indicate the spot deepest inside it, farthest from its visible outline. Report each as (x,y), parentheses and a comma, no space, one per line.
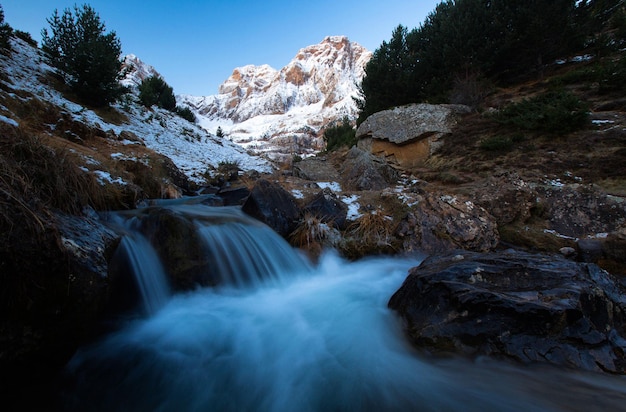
(465,44)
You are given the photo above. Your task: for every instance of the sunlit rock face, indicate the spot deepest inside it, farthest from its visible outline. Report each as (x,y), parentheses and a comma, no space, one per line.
(285,111)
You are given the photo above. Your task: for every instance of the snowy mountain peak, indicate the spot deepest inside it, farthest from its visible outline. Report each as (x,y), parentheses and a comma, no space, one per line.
(135,71)
(285,111)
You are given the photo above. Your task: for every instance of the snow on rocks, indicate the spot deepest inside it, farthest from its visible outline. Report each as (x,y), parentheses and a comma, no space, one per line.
(192,149)
(353,206)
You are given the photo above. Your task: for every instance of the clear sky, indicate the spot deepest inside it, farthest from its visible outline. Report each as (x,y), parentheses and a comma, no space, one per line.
(196,45)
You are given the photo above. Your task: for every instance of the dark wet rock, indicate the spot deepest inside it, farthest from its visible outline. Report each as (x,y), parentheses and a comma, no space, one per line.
(525,307)
(177,242)
(589,250)
(328,208)
(54,290)
(274,206)
(234,196)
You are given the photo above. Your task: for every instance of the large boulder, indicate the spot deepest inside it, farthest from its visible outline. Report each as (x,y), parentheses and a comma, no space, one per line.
(408,134)
(364,171)
(525,307)
(317,169)
(440,222)
(274,206)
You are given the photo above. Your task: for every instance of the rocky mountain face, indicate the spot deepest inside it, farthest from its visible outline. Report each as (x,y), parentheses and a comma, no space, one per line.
(284,112)
(135,71)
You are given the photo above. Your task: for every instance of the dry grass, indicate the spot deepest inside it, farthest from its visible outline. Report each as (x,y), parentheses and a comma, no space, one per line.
(313,235)
(370,234)
(372,228)
(310,231)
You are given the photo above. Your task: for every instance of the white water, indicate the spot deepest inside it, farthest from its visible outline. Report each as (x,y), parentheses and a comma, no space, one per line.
(149,274)
(318,340)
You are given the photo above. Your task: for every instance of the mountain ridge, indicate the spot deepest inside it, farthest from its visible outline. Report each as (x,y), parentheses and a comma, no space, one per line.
(284,112)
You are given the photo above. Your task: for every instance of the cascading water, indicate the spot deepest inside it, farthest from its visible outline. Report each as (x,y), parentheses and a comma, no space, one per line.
(307,339)
(244,251)
(148,271)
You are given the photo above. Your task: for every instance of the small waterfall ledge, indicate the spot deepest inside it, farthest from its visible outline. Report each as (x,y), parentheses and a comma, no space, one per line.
(181,245)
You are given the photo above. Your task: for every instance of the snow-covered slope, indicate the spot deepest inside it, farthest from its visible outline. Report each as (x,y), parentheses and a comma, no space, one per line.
(192,149)
(284,112)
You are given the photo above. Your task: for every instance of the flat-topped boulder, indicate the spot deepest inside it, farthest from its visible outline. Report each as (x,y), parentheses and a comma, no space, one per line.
(408,134)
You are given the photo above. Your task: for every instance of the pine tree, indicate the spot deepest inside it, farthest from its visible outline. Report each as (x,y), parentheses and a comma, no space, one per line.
(461,44)
(389,75)
(155,91)
(78,46)
(5,31)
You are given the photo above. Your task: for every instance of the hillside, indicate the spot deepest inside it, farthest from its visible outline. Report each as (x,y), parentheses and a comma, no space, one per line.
(129,132)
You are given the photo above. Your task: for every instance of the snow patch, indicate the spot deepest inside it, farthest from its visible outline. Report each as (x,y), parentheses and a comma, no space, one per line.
(353,206)
(105,177)
(8,121)
(334,186)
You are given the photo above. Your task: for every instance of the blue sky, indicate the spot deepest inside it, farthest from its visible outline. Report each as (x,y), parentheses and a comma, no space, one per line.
(196,45)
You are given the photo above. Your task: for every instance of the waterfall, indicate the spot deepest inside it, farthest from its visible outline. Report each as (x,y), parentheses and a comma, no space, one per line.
(237,250)
(249,255)
(322,340)
(147,270)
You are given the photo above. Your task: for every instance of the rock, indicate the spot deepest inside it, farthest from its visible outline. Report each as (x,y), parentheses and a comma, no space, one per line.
(316,169)
(589,250)
(328,208)
(579,211)
(520,306)
(568,252)
(234,196)
(274,206)
(408,134)
(54,289)
(363,171)
(130,137)
(614,246)
(440,222)
(177,242)
(88,240)
(507,198)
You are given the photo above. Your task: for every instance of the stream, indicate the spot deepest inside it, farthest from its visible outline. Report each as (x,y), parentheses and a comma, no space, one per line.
(283,334)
